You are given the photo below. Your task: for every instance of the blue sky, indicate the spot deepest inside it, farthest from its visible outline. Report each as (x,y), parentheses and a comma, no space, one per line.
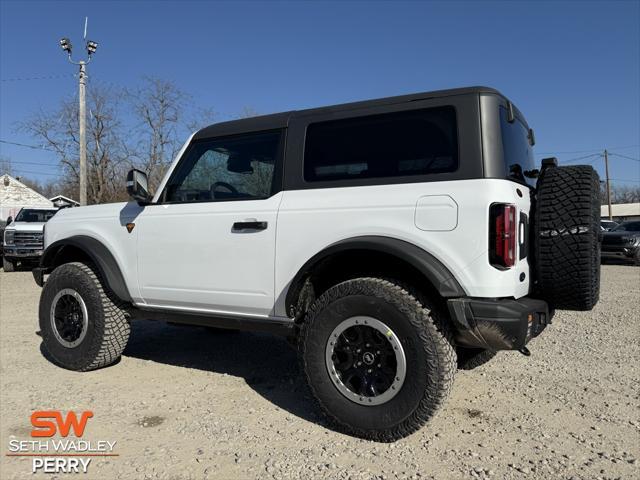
(573,67)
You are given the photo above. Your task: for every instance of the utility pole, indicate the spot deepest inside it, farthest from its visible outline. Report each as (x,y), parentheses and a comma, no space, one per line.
(606,169)
(83,133)
(91,47)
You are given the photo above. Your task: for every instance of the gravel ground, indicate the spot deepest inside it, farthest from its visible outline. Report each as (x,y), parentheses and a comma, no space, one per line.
(188,403)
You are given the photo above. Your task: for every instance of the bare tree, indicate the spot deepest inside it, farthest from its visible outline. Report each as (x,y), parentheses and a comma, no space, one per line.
(106,152)
(161,116)
(201,117)
(248,112)
(625,194)
(159,107)
(6,166)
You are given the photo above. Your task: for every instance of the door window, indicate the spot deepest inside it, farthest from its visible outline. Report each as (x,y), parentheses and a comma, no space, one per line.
(231,168)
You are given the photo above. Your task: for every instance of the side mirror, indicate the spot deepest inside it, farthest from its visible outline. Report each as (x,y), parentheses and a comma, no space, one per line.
(137,186)
(9,219)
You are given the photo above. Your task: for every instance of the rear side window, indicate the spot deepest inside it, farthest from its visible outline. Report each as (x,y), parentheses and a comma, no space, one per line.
(417,142)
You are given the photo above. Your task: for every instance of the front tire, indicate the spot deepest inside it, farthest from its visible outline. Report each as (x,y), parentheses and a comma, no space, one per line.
(84,326)
(8,265)
(395,333)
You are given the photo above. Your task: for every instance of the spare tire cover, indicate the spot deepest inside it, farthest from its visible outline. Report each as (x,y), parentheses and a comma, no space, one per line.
(567,237)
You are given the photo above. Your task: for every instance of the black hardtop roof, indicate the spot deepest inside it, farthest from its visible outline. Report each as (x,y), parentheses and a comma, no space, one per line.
(280,120)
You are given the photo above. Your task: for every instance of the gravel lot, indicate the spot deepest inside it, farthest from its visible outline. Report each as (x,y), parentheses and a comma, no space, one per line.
(188,403)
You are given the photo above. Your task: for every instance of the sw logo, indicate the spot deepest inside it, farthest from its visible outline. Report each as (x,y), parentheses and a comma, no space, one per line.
(69,452)
(45,427)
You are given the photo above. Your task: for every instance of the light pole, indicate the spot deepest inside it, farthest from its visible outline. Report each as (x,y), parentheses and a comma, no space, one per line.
(91,46)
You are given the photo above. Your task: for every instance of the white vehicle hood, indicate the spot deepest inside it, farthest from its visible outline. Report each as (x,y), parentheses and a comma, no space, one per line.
(25,226)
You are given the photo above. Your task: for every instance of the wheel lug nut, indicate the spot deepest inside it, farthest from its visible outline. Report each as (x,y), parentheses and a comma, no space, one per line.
(369,371)
(359,363)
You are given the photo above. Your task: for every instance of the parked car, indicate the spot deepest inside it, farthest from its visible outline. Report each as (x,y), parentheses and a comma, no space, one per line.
(623,242)
(608,225)
(3,225)
(392,239)
(23,238)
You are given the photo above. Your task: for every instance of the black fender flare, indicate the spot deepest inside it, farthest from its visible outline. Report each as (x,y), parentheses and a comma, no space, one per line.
(99,254)
(432,268)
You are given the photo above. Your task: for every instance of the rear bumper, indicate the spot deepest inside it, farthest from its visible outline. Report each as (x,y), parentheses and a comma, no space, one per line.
(498,324)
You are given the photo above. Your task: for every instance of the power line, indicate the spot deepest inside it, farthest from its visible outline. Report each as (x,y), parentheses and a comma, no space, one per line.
(589,151)
(580,158)
(26,146)
(22,162)
(30,172)
(46,77)
(628,158)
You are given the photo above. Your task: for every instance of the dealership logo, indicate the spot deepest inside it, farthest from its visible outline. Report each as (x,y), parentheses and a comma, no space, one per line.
(44,427)
(69,453)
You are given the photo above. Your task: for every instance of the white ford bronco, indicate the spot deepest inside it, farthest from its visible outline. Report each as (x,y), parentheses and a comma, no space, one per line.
(396,240)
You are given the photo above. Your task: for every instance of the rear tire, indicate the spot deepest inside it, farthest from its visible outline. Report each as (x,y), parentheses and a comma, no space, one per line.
(8,265)
(418,384)
(567,237)
(84,325)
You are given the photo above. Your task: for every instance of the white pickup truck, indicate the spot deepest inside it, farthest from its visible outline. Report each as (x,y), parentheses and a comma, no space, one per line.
(23,238)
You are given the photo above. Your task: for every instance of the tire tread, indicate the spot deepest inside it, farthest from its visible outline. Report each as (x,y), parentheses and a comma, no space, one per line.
(435,337)
(568,257)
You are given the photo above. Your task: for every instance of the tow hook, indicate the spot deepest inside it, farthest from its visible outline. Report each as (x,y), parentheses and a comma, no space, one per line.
(525,351)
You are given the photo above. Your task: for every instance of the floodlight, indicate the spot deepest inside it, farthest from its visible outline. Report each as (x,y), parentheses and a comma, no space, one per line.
(65,44)
(91,47)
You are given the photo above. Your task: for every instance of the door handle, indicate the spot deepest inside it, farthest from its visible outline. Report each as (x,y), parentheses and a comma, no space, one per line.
(249,225)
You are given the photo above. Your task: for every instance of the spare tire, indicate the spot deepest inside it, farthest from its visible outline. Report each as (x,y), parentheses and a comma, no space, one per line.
(567,237)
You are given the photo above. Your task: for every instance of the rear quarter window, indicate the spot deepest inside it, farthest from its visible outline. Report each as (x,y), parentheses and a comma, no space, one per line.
(518,152)
(416,142)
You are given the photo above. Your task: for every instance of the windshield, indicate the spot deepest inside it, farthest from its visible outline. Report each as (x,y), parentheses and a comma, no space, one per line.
(627,227)
(33,215)
(518,154)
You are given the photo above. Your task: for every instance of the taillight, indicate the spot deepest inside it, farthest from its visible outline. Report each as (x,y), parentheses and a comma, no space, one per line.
(503,240)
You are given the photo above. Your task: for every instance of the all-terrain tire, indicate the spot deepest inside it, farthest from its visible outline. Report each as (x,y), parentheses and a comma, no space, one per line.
(8,265)
(108,326)
(636,257)
(425,339)
(567,237)
(470,358)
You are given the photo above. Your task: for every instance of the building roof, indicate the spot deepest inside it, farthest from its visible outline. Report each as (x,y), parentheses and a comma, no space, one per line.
(621,210)
(63,198)
(14,193)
